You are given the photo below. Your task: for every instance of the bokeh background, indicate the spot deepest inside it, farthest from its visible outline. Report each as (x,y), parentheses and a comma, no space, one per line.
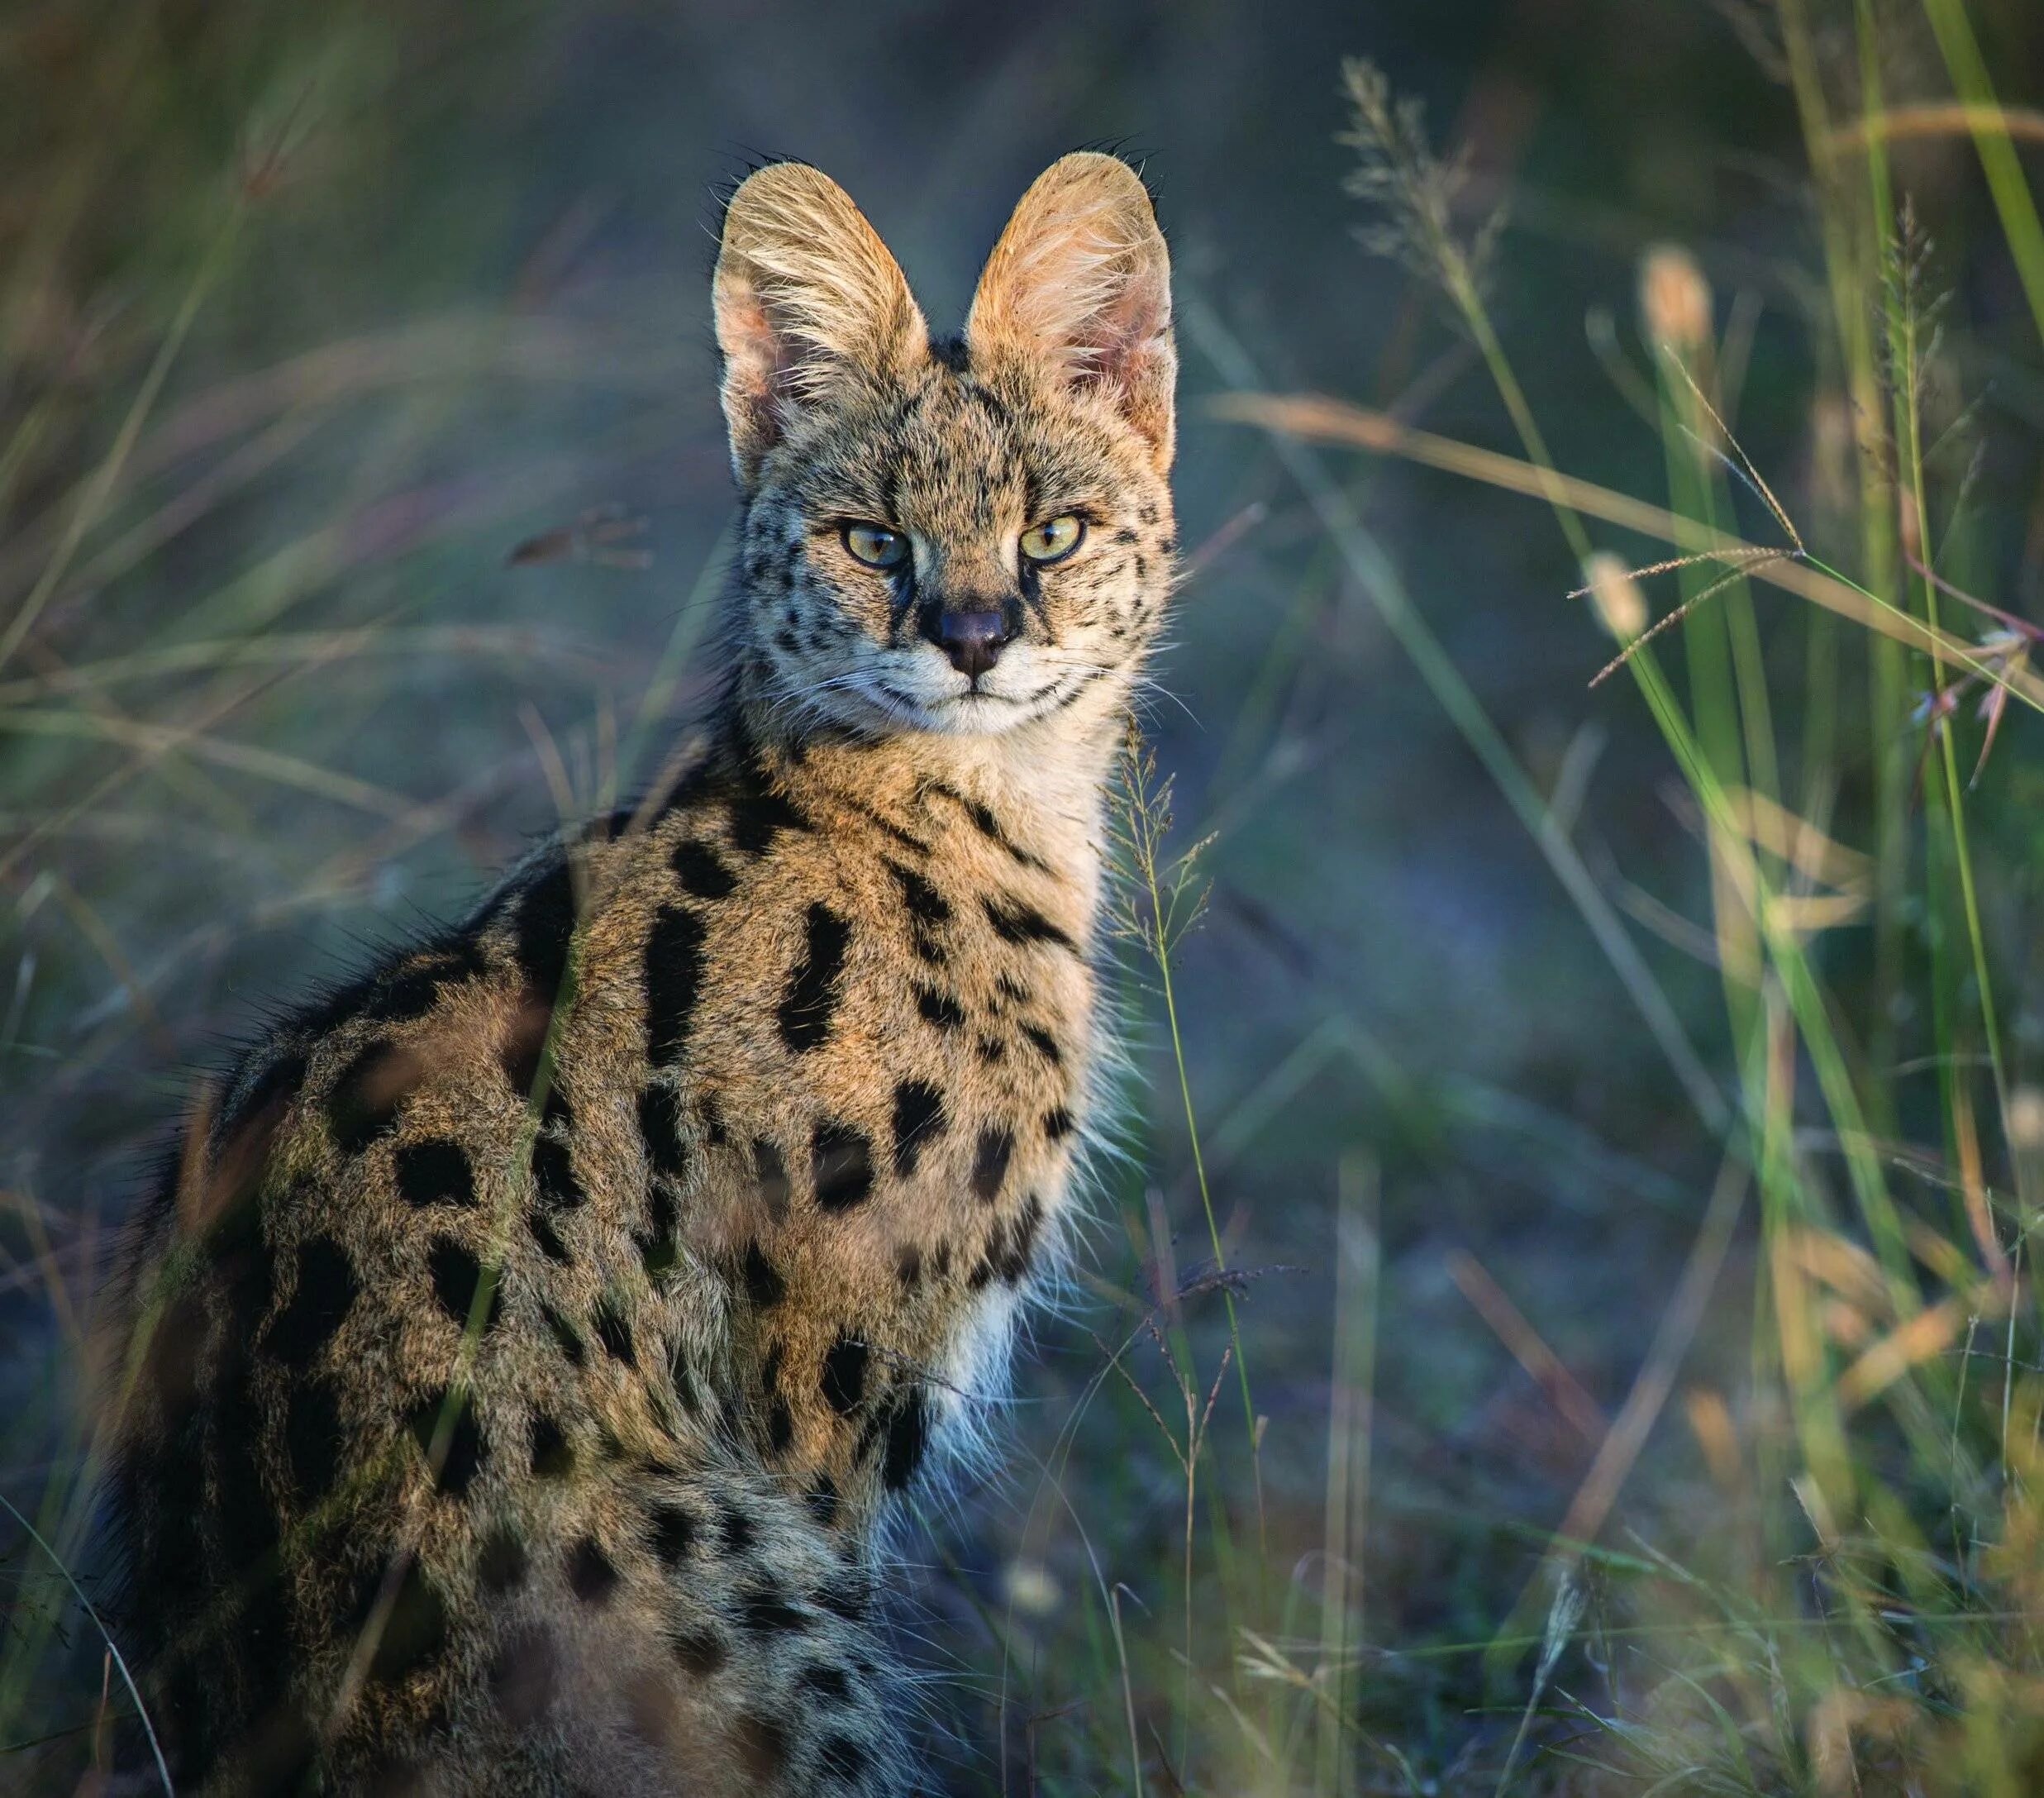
(362,493)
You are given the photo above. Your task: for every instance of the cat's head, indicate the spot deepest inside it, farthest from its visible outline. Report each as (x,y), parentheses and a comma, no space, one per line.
(962,535)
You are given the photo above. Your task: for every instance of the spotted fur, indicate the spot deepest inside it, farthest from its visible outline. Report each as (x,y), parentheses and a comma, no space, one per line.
(524,1349)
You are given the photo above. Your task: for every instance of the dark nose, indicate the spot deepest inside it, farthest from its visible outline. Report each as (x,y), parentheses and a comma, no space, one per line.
(973,640)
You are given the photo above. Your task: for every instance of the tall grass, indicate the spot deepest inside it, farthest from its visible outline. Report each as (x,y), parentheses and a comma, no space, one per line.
(1801,1548)
(1861,1613)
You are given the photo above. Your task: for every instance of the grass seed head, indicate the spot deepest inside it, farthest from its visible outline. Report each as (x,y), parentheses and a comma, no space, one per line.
(1615,596)
(1675,300)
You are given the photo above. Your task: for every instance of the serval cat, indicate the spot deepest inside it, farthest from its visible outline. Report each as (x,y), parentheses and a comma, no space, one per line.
(527,1345)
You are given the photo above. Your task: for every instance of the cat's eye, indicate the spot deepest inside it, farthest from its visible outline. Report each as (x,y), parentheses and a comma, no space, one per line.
(1054,539)
(876,546)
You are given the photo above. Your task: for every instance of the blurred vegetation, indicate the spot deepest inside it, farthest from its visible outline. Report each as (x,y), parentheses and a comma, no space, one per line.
(1567,1321)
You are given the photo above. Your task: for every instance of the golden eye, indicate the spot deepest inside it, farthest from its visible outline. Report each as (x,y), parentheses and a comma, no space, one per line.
(1054,539)
(876,546)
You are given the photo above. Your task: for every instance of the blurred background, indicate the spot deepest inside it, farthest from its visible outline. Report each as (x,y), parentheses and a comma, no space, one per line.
(362,502)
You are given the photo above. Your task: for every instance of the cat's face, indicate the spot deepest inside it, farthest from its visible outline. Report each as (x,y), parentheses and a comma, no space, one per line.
(959,537)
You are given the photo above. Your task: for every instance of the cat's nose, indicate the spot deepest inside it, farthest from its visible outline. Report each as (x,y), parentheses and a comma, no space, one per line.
(973,640)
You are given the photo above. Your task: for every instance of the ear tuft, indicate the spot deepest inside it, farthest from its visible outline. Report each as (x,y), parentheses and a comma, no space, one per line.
(806,295)
(1080,281)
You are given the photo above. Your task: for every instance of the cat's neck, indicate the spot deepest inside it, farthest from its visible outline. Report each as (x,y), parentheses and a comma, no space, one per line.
(1040,788)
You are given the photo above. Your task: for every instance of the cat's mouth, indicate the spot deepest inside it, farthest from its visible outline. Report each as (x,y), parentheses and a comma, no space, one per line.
(1001,700)
(990,710)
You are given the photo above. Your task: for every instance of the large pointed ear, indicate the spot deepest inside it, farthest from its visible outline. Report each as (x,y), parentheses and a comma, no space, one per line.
(1081,281)
(805,295)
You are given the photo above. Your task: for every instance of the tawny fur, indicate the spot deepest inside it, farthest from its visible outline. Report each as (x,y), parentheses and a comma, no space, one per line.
(526,1349)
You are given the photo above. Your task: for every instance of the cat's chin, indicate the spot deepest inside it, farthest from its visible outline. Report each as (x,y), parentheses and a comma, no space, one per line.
(978,714)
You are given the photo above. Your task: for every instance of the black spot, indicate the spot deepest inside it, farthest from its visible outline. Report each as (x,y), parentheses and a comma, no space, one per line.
(684,1381)
(1012,1244)
(759,815)
(736,1529)
(848,1596)
(844,1375)
(989,827)
(826,1681)
(953,351)
(502,1563)
(907,838)
(918,1113)
(464,1440)
(780,1426)
(411,992)
(843,1159)
(770,1175)
(1057,1123)
(548,1237)
(614,1331)
(763,1281)
(990,1049)
(435,1172)
(703,875)
(806,1012)
(673,1533)
(990,1162)
(674,978)
(665,1149)
(546,925)
(591,1576)
(939,1009)
(699,1652)
(927,910)
(765,1608)
(659,1244)
(1014,922)
(909,1266)
(566,1335)
(318,1304)
(312,1429)
(1044,1043)
(458,1277)
(822,1499)
(839,1757)
(364,1104)
(554,1175)
(908,1435)
(553,1455)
